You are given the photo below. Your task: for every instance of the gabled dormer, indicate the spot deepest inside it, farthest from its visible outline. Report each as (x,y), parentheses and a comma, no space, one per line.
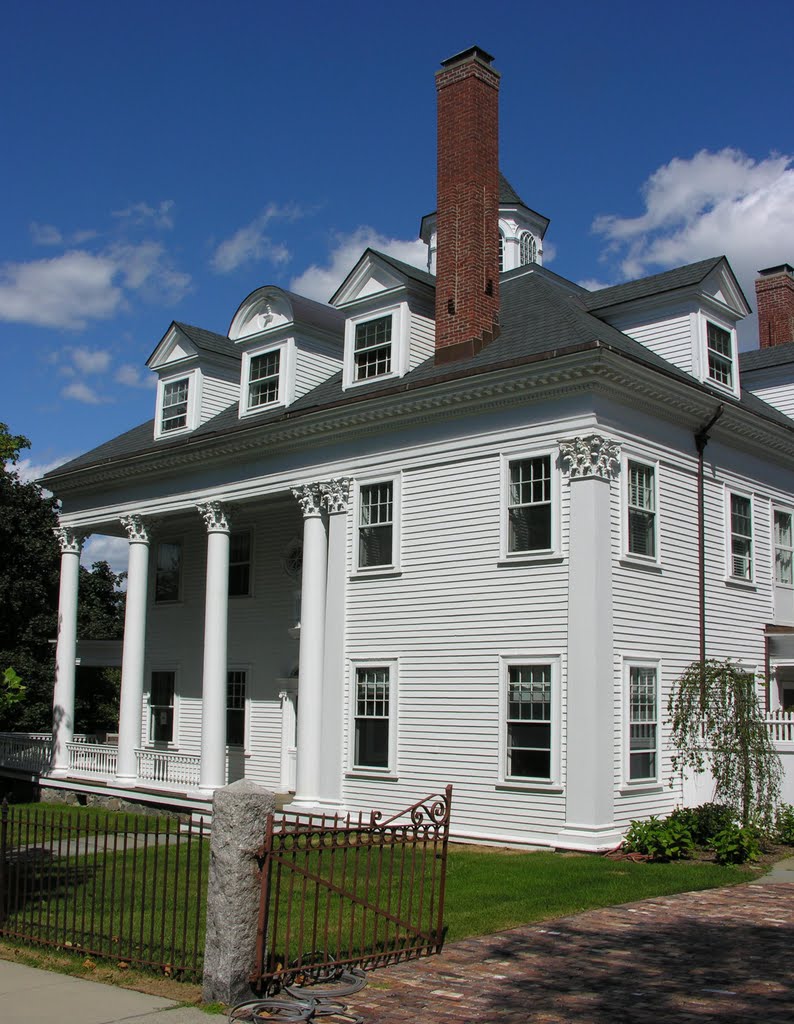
(198,376)
(287,344)
(389,311)
(688,316)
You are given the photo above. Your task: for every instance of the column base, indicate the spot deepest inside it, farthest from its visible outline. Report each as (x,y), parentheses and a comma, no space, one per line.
(58,773)
(127,781)
(588,838)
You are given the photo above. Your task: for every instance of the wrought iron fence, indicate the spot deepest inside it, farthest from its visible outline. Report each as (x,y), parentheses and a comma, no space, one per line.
(339,892)
(124,887)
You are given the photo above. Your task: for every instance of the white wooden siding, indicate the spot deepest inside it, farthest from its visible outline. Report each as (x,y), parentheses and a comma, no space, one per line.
(422,340)
(220,388)
(670,337)
(315,362)
(775,385)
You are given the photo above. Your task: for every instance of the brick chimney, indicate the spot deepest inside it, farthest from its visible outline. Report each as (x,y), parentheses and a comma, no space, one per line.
(467,261)
(774,290)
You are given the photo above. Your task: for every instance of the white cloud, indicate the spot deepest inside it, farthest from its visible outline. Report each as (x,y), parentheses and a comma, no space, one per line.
(28,470)
(79,391)
(90,360)
(45,234)
(134,377)
(592,284)
(147,268)
(100,548)
(251,242)
(159,216)
(320,282)
(711,204)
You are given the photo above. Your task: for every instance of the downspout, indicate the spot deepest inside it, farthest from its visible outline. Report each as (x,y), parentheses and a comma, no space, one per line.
(701,440)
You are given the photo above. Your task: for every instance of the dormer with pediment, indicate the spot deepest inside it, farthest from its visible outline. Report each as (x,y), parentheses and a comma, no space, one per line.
(687,315)
(198,377)
(389,309)
(288,345)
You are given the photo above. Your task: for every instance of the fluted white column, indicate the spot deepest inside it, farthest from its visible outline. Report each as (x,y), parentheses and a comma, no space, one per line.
(71,543)
(310,676)
(134,649)
(216,619)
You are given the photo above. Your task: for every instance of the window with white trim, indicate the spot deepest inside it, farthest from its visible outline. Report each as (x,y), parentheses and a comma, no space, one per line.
(501,252)
(240,563)
(528,249)
(528,744)
(643,723)
(175,405)
(264,379)
(719,351)
(376,507)
(784,547)
(372,348)
(641,518)
(235,708)
(372,717)
(529,505)
(161,707)
(741,534)
(168,571)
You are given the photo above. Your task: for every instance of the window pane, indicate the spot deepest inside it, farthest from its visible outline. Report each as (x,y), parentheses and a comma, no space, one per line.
(235,709)
(161,707)
(239,563)
(783,548)
(175,405)
(529,722)
(529,505)
(372,348)
(375,533)
(264,379)
(720,355)
(169,561)
(642,510)
(642,722)
(372,717)
(741,537)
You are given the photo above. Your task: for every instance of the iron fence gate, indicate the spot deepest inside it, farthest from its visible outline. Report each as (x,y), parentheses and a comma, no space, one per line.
(354,891)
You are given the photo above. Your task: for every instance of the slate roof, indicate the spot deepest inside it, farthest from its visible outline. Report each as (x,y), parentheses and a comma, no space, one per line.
(761,358)
(539,320)
(208,341)
(415,273)
(656,284)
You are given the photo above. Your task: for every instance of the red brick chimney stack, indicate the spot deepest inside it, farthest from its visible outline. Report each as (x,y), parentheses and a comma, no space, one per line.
(467,259)
(774,290)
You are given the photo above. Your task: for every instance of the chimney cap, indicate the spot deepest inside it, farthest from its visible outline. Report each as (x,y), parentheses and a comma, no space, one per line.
(781,268)
(472,51)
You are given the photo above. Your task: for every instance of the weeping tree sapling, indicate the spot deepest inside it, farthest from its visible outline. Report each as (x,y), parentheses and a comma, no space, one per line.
(717,723)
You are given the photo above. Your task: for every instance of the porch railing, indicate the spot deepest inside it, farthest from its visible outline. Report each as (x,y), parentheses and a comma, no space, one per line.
(168,768)
(92,760)
(26,751)
(781,726)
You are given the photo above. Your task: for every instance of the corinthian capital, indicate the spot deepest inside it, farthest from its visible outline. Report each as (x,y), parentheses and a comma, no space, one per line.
(336,494)
(138,530)
(592,455)
(309,498)
(215,515)
(69,539)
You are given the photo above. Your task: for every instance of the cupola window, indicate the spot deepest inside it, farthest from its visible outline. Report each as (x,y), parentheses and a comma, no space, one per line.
(529,249)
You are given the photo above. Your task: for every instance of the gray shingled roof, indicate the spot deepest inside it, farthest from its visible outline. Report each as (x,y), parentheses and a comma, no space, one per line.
(208,341)
(761,358)
(656,284)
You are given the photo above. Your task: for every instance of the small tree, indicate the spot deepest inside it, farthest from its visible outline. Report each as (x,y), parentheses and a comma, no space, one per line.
(717,722)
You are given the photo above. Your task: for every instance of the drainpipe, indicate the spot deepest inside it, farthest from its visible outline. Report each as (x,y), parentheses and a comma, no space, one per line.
(701,440)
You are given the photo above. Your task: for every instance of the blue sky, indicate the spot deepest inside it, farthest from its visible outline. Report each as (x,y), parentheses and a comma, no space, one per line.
(161,160)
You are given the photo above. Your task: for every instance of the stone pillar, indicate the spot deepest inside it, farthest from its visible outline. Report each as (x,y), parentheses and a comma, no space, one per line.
(239,814)
(312,643)
(66,652)
(336,497)
(134,649)
(591,463)
(216,620)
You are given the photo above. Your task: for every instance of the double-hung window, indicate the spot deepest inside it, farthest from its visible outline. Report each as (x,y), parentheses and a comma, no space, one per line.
(784,547)
(528,746)
(240,563)
(168,570)
(175,399)
(372,717)
(641,531)
(376,507)
(719,345)
(741,534)
(529,505)
(372,348)
(235,708)
(161,707)
(643,724)
(264,379)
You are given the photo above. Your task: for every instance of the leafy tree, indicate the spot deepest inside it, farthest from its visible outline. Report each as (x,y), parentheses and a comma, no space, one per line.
(717,722)
(12,689)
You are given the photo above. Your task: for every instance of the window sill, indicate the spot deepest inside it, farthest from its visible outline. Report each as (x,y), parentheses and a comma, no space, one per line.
(267,407)
(372,773)
(530,786)
(542,558)
(387,572)
(641,786)
(731,581)
(392,375)
(634,562)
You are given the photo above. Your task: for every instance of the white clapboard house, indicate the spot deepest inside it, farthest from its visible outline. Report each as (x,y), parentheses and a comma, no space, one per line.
(459,525)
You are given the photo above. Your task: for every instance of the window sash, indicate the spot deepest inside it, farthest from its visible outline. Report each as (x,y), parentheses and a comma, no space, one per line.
(240,563)
(784,549)
(643,723)
(641,539)
(372,717)
(529,505)
(720,354)
(175,397)
(372,348)
(528,722)
(161,707)
(376,525)
(168,571)
(741,537)
(235,708)
(529,249)
(264,379)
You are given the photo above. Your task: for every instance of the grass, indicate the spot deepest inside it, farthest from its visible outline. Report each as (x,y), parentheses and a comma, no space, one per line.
(50,819)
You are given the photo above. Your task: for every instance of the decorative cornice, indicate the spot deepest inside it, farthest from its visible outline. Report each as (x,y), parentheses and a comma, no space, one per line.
(592,455)
(310,499)
(336,494)
(69,539)
(138,530)
(215,515)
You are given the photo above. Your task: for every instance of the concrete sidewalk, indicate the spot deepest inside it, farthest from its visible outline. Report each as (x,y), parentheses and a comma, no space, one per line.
(29,995)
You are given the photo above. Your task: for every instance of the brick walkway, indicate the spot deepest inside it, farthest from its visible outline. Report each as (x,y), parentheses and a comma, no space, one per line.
(722,955)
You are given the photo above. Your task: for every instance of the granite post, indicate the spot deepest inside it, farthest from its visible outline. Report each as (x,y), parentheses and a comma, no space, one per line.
(239,813)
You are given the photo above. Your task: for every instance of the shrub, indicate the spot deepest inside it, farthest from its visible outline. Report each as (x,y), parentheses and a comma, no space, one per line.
(784,824)
(736,844)
(659,840)
(709,819)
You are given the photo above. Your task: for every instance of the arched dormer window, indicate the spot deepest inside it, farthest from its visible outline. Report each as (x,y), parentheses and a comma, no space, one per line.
(529,249)
(501,253)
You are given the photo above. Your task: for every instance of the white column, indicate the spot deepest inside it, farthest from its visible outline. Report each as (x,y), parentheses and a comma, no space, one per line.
(336,496)
(71,544)
(216,619)
(592,462)
(133,652)
(310,677)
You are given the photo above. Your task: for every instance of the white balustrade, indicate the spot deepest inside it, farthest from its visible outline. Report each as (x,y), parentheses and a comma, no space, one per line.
(166,768)
(781,726)
(92,760)
(26,751)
